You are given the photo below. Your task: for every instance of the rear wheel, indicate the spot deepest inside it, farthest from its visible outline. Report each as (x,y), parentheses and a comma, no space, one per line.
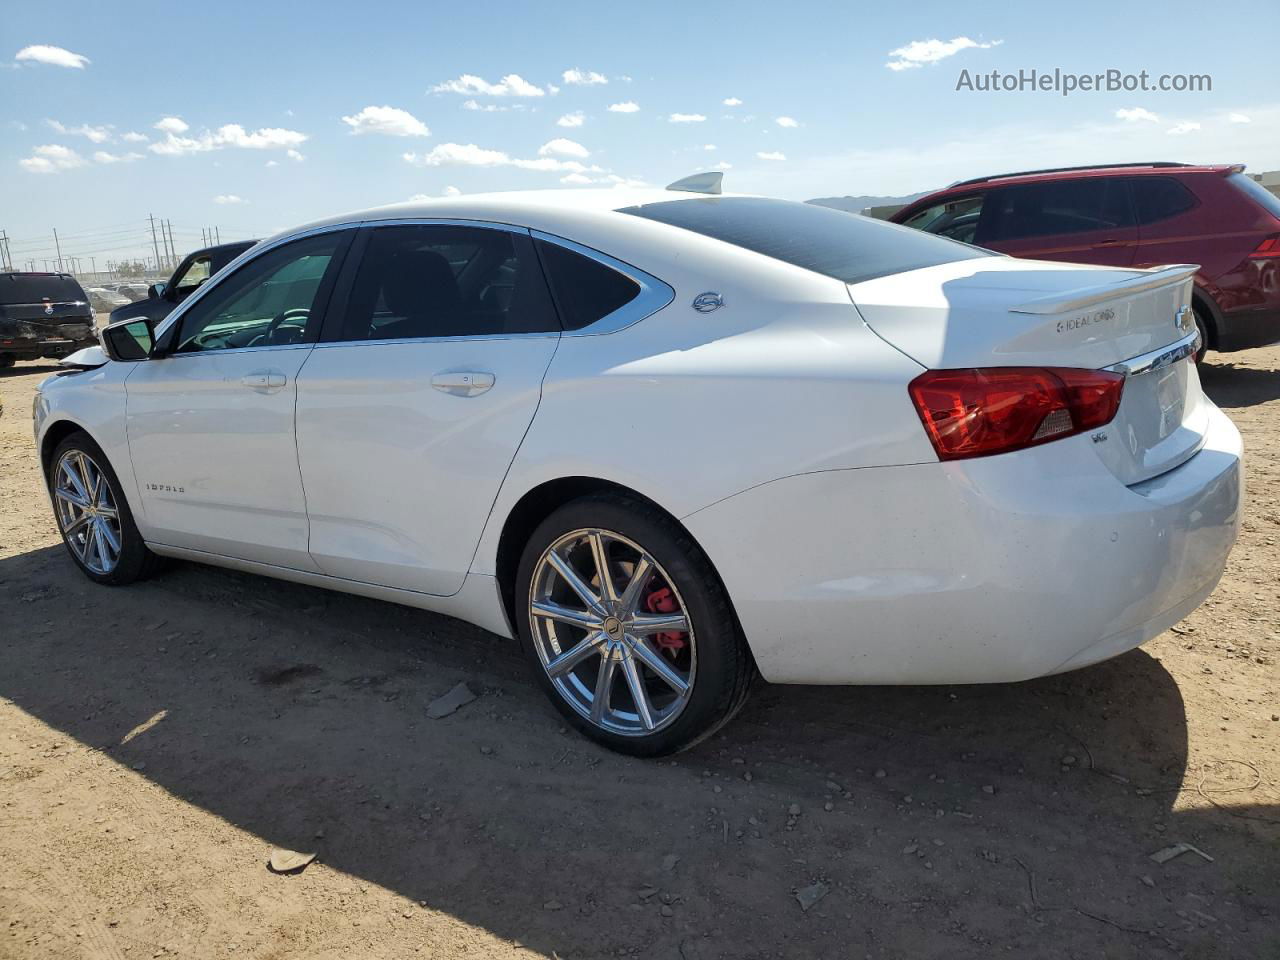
(7,360)
(628,628)
(94,517)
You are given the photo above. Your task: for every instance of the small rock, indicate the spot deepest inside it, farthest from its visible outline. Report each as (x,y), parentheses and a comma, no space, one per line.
(880,774)
(988,788)
(1068,760)
(1147,881)
(486,750)
(669,861)
(794,810)
(289,861)
(828,806)
(717,788)
(811,895)
(910,848)
(747,776)
(553,905)
(666,911)
(459,696)
(647,893)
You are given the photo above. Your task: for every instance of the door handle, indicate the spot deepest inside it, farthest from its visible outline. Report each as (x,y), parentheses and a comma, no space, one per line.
(463,383)
(1108,242)
(264,381)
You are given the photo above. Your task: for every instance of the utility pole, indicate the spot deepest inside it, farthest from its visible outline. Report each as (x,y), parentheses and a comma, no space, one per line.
(173,248)
(93,262)
(4,253)
(154,245)
(57,246)
(218,232)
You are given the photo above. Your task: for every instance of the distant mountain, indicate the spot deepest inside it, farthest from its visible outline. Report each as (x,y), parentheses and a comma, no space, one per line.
(858,204)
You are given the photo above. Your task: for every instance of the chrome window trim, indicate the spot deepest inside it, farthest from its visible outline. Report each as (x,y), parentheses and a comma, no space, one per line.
(1157,359)
(654,294)
(544,334)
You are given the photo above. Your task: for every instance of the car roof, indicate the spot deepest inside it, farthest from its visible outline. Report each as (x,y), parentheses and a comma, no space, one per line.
(549,210)
(1159,168)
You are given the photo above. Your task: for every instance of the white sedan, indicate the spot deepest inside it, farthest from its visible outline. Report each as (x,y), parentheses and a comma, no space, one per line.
(669,439)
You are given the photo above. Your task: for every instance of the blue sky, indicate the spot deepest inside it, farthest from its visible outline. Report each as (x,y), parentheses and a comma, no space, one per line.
(260,115)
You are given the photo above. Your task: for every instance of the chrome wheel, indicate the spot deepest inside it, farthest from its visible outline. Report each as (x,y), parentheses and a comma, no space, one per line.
(87,513)
(612,632)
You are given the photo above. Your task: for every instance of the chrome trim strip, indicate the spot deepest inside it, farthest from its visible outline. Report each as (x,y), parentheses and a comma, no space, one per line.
(654,294)
(1157,359)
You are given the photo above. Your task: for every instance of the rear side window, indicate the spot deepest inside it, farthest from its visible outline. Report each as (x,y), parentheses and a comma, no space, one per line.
(1055,207)
(585,289)
(836,244)
(36,287)
(1159,198)
(1257,192)
(445,281)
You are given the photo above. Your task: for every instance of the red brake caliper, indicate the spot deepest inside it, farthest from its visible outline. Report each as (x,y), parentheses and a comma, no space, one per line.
(663,600)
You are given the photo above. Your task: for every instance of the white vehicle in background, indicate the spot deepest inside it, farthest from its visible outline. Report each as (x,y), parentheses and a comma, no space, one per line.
(668,439)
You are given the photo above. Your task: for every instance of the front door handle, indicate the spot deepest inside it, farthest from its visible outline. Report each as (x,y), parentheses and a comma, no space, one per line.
(264,381)
(463,383)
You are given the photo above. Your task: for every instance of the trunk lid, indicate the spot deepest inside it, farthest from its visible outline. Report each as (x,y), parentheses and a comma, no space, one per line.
(1004,312)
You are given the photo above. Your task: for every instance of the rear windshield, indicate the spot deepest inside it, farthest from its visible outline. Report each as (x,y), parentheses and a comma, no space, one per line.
(1260,194)
(842,245)
(34,287)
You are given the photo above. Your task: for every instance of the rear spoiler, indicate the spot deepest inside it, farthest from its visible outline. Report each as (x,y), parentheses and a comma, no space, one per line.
(1149,279)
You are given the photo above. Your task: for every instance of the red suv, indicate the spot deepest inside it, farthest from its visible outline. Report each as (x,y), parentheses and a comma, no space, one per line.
(1134,215)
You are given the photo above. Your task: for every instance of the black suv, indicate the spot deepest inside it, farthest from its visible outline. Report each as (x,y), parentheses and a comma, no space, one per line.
(194,270)
(42,315)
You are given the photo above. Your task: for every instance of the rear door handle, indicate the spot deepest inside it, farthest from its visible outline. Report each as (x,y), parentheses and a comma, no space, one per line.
(264,381)
(463,383)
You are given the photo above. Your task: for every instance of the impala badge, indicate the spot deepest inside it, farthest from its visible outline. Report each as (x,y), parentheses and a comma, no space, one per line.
(708,302)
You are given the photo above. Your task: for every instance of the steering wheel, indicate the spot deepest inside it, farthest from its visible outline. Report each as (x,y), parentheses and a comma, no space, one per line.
(280,319)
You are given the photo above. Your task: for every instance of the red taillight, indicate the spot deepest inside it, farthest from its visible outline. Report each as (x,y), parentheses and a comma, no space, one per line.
(974,413)
(1268,249)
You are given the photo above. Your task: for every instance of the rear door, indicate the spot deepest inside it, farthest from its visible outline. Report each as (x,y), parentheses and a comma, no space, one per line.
(412,407)
(1080,220)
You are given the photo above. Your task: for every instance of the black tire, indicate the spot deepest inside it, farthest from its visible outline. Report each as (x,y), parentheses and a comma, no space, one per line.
(135,561)
(725,669)
(7,360)
(1203,327)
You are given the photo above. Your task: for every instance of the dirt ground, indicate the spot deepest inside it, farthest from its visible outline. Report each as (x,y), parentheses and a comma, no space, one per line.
(157,742)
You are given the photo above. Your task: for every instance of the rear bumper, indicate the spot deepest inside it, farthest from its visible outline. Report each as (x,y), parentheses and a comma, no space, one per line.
(28,340)
(1243,329)
(987,570)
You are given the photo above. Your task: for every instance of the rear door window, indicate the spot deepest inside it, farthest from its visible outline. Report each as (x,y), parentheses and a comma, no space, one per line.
(1055,207)
(586,290)
(1159,198)
(841,245)
(419,281)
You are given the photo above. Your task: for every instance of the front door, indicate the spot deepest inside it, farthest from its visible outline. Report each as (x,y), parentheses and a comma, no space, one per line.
(413,405)
(210,422)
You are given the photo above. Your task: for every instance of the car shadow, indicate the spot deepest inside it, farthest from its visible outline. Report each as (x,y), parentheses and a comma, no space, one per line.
(1232,386)
(290,711)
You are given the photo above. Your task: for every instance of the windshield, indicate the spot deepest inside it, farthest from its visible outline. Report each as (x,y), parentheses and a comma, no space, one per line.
(35,287)
(842,245)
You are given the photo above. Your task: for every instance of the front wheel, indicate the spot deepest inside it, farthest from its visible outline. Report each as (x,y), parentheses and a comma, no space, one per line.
(93,516)
(628,627)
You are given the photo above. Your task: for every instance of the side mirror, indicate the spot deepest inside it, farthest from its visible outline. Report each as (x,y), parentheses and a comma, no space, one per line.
(129,340)
(156,290)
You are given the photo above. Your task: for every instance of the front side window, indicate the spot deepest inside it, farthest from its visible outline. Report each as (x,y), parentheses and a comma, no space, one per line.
(955,218)
(417,281)
(842,245)
(270,301)
(197,272)
(1055,207)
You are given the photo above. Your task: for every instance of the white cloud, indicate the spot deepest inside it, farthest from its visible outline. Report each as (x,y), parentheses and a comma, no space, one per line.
(391,121)
(618,181)
(53,56)
(102,156)
(1185,126)
(50,158)
(228,135)
(626,106)
(708,146)
(470,155)
(919,52)
(772,155)
(272,163)
(171,125)
(686,118)
(575,119)
(560,147)
(731,102)
(490,107)
(452,191)
(1137,114)
(294,155)
(576,178)
(512,85)
(1239,118)
(785,122)
(723,166)
(93,134)
(134,137)
(225,199)
(583,78)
